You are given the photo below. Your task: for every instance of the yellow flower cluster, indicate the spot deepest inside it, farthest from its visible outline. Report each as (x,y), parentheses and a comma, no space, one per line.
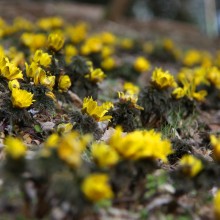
(191,79)
(140,145)
(195,57)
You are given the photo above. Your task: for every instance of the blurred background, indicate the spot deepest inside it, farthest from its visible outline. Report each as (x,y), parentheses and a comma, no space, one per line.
(188,18)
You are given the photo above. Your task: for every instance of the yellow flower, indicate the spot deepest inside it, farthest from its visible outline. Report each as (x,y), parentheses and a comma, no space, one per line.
(104,155)
(40,77)
(31,69)
(10,72)
(13,84)
(34,41)
(64,83)
(168,44)
(91,45)
(127,43)
(216,205)
(108,63)
(191,166)
(70,51)
(131,88)
(96,187)
(108,38)
(44,59)
(200,96)
(215,142)
(189,86)
(163,79)
(15,147)
(148,47)
(21,98)
(51,95)
(64,128)
(52,141)
(95,75)
(141,64)
(192,57)
(132,98)
(107,51)
(178,93)
(78,32)
(50,23)
(213,75)
(97,112)
(55,41)
(71,146)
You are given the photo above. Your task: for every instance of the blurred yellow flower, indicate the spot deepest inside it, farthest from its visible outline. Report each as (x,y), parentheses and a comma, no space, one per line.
(34,41)
(104,155)
(162,79)
(130,88)
(107,51)
(64,83)
(96,75)
(14,147)
(126,43)
(108,38)
(168,44)
(108,63)
(216,205)
(70,51)
(140,144)
(192,57)
(91,108)
(21,98)
(213,75)
(50,23)
(96,187)
(190,165)
(215,142)
(55,41)
(78,32)
(71,146)
(91,45)
(44,59)
(52,141)
(141,64)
